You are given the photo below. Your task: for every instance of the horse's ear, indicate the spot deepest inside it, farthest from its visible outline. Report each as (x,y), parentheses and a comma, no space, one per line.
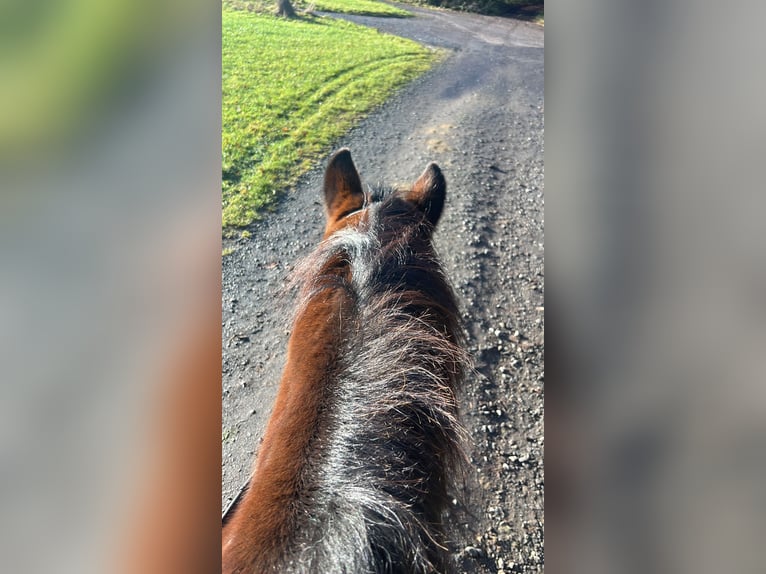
(428,193)
(342,186)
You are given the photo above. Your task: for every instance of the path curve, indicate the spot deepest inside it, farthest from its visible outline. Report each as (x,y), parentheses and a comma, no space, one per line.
(479,115)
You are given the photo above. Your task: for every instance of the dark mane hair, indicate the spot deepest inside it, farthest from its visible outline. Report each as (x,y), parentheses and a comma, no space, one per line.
(385,440)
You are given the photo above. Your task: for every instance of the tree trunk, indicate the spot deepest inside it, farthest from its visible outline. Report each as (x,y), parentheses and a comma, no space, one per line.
(284,8)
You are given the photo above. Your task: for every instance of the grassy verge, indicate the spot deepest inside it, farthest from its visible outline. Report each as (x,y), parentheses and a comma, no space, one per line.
(363,7)
(292,87)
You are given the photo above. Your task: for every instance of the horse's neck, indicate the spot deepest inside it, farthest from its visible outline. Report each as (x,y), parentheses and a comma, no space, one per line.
(270,501)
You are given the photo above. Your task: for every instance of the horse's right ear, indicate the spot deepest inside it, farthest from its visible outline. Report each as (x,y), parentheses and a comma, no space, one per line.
(429,192)
(342,187)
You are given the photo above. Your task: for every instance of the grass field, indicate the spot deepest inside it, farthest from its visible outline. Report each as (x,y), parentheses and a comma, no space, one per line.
(365,7)
(292,87)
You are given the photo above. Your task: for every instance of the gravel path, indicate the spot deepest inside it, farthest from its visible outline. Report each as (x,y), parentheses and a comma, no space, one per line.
(479,115)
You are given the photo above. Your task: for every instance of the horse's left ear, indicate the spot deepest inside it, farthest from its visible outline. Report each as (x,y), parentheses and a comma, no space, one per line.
(342,187)
(428,193)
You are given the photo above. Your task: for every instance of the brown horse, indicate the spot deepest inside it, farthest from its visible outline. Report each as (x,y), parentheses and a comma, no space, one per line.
(356,460)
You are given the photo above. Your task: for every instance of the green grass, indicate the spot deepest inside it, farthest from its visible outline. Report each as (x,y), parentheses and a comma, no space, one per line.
(364,7)
(367,7)
(290,89)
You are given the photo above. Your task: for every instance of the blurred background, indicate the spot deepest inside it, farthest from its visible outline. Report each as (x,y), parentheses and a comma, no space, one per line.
(656,265)
(110,231)
(110,221)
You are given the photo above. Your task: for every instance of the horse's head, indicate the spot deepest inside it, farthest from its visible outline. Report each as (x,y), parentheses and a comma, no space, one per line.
(346,204)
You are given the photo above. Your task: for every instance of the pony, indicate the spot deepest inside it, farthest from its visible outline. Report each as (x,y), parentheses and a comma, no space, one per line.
(364,439)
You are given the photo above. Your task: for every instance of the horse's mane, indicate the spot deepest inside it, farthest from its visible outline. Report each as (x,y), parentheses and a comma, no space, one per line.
(388,440)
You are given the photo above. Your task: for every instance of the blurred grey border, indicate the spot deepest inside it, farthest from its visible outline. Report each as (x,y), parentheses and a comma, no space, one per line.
(656,284)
